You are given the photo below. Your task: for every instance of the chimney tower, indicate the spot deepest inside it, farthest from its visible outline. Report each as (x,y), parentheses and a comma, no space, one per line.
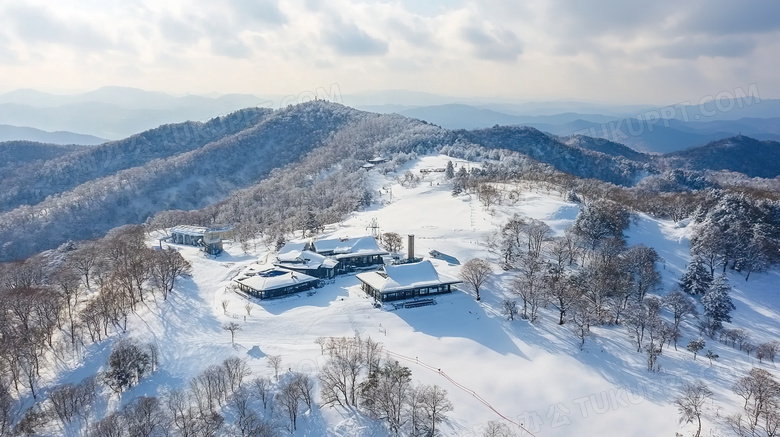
(410,247)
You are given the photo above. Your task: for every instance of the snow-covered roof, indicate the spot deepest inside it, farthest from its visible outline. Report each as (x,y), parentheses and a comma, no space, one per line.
(304,259)
(195,231)
(271,278)
(405,277)
(346,247)
(199,231)
(294,246)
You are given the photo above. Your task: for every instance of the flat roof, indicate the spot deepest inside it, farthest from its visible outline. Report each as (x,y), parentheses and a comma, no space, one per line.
(406,276)
(195,231)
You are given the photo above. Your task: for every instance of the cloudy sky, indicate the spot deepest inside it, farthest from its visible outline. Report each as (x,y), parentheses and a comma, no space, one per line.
(621,51)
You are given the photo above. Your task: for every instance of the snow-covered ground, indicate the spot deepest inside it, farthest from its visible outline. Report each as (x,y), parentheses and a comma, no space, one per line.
(532,374)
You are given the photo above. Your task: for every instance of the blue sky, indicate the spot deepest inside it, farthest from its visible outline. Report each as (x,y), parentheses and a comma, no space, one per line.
(602,50)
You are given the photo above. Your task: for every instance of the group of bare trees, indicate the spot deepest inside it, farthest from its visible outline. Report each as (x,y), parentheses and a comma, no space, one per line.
(590,277)
(217,393)
(760,415)
(201,408)
(55,303)
(357,376)
(740,339)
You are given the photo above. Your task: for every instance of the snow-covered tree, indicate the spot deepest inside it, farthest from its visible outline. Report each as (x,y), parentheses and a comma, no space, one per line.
(717,305)
(697,277)
(601,219)
(759,252)
(695,346)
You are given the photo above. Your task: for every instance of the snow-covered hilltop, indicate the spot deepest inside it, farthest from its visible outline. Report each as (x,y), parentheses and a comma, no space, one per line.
(530,376)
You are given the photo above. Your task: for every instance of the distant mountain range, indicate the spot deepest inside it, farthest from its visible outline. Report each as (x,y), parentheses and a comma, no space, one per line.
(114,112)
(740,154)
(118,112)
(17,133)
(651,135)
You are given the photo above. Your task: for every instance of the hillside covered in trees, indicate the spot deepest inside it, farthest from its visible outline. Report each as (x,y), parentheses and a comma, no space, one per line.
(292,164)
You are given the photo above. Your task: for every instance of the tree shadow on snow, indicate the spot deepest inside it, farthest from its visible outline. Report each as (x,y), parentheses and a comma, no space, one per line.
(459,315)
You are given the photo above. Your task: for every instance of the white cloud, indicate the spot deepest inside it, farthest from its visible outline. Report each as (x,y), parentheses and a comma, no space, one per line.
(605,49)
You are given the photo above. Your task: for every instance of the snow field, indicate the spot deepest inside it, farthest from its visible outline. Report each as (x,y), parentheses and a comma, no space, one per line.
(532,374)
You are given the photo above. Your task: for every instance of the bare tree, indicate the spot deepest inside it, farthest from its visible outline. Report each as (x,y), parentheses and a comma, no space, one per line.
(509,240)
(537,232)
(561,294)
(225,303)
(767,351)
(70,401)
(488,194)
(237,370)
(62,400)
(681,306)
(263,388)
(509,309)
(83,259)
(7,410)
(529,285)
(385,392)
(144,417)
(339,377)
(232,327)
(372,351)
(275,362)
(167,265)
(497,429)
(581,315)
(289,398)
(305,387)
(248,422)
(436,406)
(210,388)
(761,393)
(643,317)
(67,282)
(248,308)
(322,342)
(110,426)
(392,242)
(691,402)
(475,272)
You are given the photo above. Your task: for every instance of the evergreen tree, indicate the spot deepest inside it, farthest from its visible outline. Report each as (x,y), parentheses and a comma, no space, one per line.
(697,278)
(717,305)
(449,173)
